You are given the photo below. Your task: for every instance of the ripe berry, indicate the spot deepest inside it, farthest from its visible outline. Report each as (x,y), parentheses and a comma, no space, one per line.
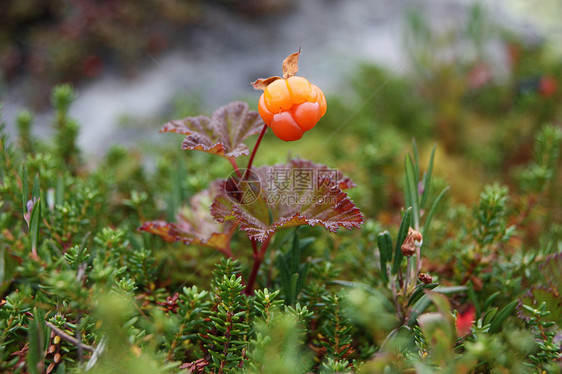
(291,106)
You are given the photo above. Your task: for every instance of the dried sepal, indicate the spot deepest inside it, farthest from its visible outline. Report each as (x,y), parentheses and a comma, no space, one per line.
(222,134)
(195,225)
(290,68)
(291,65)
(262,83)
(413,240)
(284,201)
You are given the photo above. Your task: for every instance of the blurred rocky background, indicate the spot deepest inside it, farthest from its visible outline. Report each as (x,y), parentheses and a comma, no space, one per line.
(134,62)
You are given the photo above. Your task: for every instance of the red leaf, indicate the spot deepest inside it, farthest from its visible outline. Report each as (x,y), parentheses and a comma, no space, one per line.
(298,193)
(465,320)
(196,225)
(222,134)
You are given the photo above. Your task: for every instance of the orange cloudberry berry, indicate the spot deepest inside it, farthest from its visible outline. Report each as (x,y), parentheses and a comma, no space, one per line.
(291,106)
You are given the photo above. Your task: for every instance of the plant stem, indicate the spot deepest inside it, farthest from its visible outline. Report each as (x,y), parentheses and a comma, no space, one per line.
(395,297)
(408,274)
(69,338)
(251,161)
(254,246)
(419,261)
(235,166)
(258,259)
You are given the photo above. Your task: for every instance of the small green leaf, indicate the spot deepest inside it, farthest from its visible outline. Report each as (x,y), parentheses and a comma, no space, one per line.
(34,225)
(7,269)
(294,290)
(490,300)
(416,159)
(24,188)
(441,301)
(502,315)
(384,242)
(431,213)
(427,179)
(489,315)
(418,292)
(419,307)
(412,189)
(402,233)
(35,338)
(451,289)
(474,299)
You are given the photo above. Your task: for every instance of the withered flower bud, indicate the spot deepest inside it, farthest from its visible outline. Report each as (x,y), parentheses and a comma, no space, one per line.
(413,240)
(425,278)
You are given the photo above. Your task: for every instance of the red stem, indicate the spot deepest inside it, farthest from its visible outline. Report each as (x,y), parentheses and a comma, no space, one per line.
(235,166)
(251,161)
(258,259)
(254,246)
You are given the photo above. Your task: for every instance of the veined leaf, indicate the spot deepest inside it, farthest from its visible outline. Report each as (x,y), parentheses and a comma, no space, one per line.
(535,297)
(195,225)
(298,193)
(222,134)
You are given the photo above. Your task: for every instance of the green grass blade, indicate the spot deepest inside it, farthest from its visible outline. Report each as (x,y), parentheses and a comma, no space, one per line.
(502,315)
(427,179)
(412,190)
(384,242)
(402,233)
(431,213)
(416,160)
(24,189)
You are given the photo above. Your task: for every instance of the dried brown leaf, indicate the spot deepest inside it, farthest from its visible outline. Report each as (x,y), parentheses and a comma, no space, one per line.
(222,134)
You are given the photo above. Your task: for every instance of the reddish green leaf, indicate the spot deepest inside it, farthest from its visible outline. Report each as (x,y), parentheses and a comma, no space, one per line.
(195,225)
(299,193)
(550,269)
(222,134)
(535,297)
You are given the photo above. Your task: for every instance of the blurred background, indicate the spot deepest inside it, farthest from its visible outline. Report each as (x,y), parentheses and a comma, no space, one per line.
(132,61)
(479,79)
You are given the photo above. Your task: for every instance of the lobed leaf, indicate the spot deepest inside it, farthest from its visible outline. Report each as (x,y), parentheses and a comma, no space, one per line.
(284,200)
(196,225)
(535,297)
(222,134)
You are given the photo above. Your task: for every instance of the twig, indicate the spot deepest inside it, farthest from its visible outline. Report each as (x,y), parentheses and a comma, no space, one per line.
(69,338)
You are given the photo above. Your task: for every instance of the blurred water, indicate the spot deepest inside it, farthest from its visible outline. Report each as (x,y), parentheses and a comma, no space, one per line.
(224,52)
